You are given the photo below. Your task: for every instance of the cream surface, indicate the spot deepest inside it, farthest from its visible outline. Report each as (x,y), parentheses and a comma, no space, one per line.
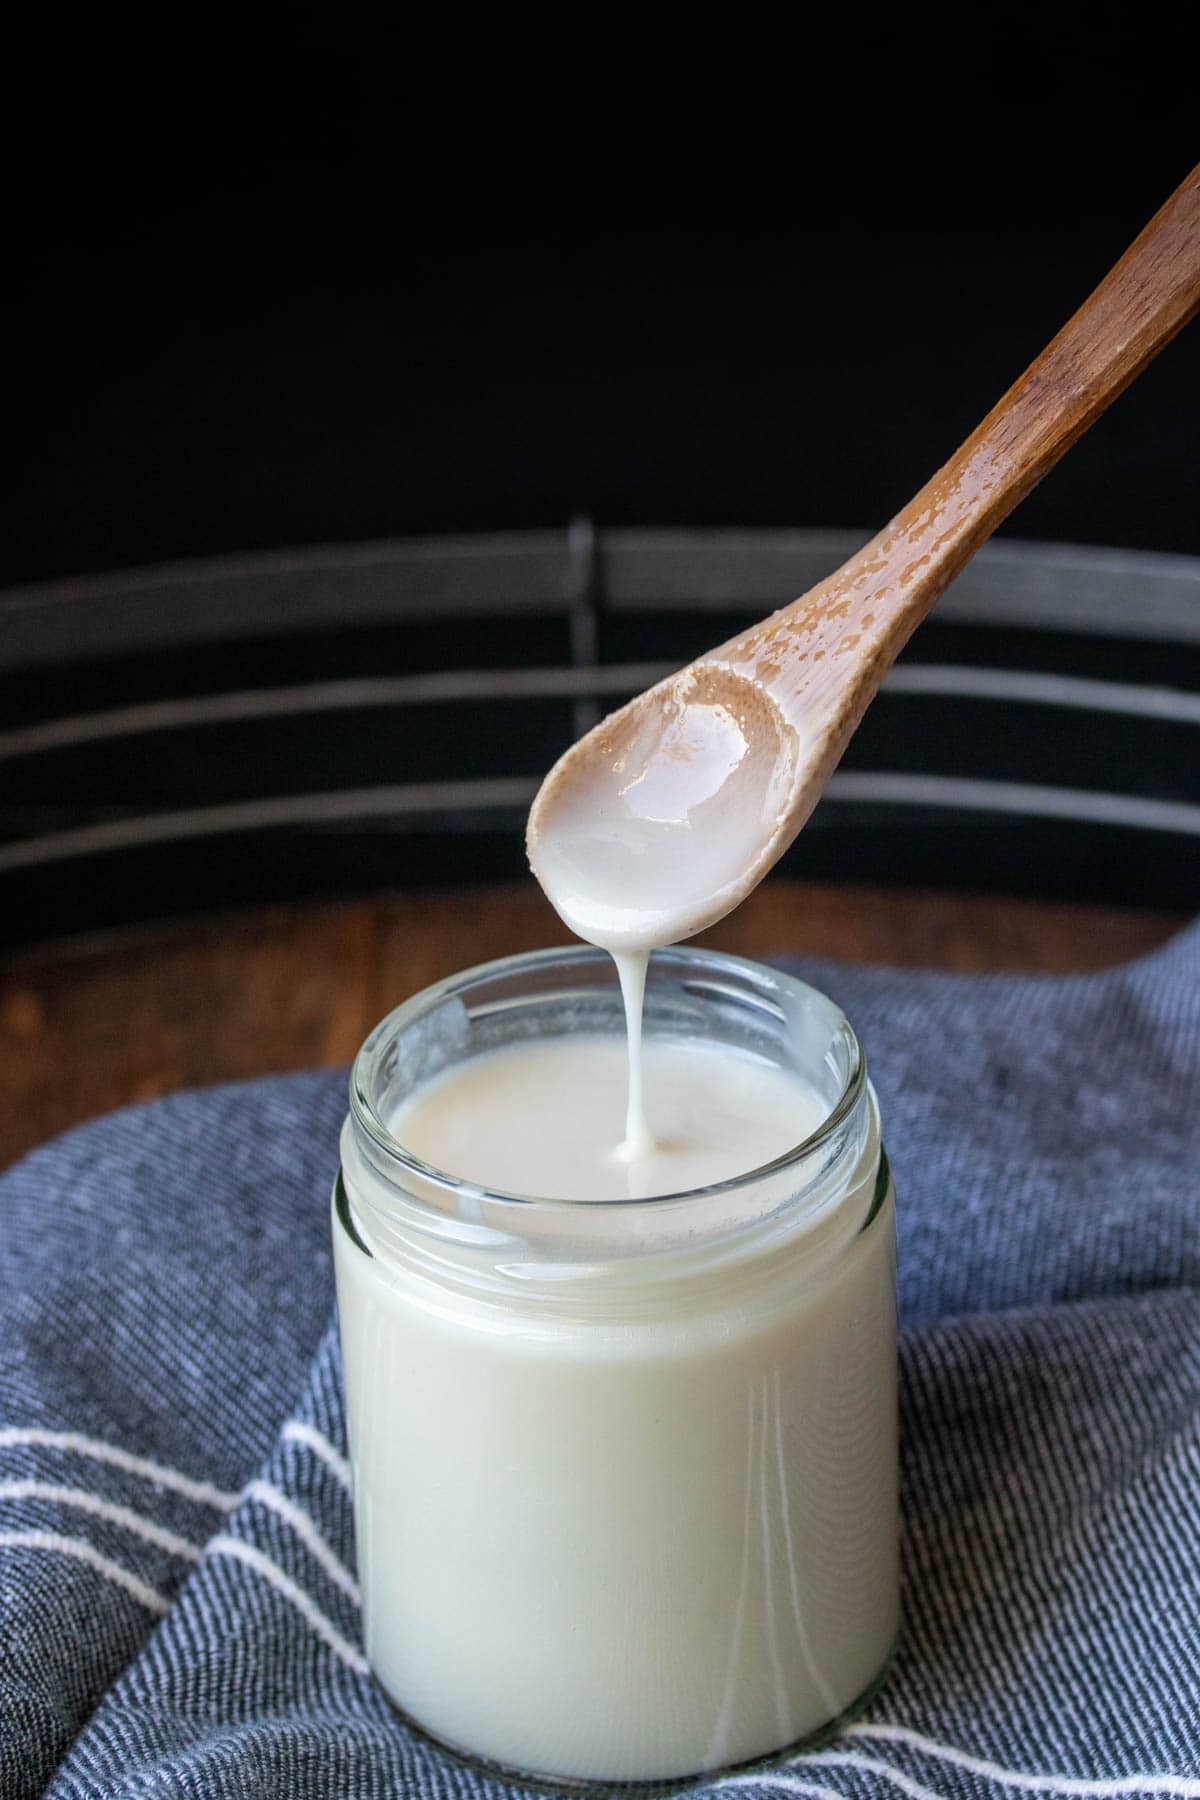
(545,1118)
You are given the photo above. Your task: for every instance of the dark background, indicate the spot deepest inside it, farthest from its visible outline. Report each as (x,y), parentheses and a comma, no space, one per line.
(346,279)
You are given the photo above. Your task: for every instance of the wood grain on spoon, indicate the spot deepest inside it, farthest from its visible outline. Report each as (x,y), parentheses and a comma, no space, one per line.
(661,820)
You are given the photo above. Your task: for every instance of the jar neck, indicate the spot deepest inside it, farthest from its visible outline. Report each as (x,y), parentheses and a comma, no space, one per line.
(792,1220)
(802,1207)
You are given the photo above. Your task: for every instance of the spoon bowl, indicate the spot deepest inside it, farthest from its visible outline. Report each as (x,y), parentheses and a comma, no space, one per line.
(667,813)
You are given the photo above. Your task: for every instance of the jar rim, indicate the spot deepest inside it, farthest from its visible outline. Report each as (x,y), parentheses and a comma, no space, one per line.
(400,1162)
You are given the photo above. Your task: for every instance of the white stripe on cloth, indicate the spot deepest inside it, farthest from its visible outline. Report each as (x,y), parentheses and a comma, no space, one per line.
(1102,1788)
(306,1530)
(159,1473)
(85,1553)
(124,1516)
(1095,1787)
(263,1491)
(324,1627)
(296,1432)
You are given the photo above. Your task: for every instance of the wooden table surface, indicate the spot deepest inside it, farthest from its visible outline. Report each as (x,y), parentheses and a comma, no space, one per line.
(88,1026)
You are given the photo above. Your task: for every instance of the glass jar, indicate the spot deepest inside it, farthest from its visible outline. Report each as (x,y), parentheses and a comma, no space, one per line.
(625,1472)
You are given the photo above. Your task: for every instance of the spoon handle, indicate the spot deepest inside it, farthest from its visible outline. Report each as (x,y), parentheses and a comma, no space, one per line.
(868,608)
(1139,307)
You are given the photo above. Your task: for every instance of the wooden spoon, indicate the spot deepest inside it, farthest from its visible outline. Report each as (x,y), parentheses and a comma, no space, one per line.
(665,815)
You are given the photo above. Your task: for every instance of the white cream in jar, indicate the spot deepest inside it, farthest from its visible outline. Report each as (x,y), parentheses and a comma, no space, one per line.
(625,1453)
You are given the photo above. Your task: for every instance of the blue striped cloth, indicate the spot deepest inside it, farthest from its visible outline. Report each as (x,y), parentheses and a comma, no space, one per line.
(179,1610)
